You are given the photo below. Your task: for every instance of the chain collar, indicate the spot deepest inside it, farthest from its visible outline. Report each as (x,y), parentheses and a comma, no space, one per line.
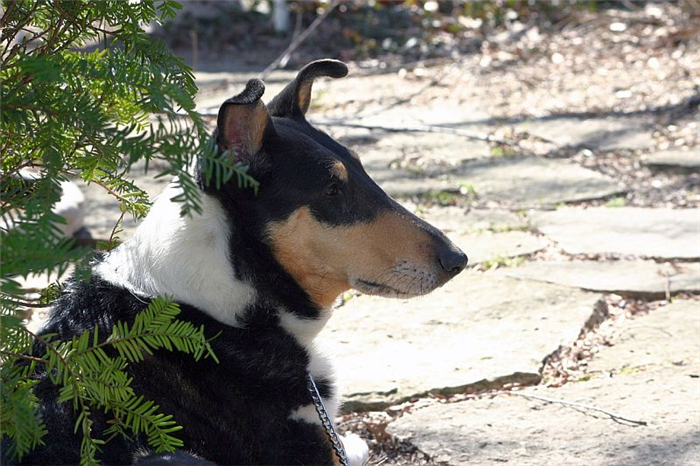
(326,421)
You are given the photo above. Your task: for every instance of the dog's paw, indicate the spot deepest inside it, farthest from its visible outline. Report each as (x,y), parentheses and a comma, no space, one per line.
(356,449)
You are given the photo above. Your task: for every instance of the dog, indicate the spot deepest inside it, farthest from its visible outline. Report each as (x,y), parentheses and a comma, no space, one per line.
(261,272)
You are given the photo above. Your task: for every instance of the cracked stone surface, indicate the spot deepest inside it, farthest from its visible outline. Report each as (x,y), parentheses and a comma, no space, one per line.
(622,132)
(674,160)
(523,182)
(668,336)
(662,233)
(478,329)
(517,430)
(624,277)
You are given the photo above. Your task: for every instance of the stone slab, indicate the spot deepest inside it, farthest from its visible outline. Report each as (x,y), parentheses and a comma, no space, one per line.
(467,116)
(487,246)
(624,132)
(429,149)
(459,220)
(519,431)
(662,233)
(684,160)
(622,277)
(523,182)
(667,336)
(664,390)
(484,234)
(477,329)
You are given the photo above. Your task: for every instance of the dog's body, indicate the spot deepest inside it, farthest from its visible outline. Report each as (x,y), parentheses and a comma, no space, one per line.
(262,271)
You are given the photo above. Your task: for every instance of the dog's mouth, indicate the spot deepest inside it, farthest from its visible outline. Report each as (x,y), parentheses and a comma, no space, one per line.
(369,287)
(398,284)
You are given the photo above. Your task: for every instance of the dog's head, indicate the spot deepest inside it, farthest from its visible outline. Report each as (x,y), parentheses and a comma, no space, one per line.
(317,212)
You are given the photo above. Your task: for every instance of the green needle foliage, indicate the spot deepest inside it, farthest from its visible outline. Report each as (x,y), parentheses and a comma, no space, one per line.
(86,93)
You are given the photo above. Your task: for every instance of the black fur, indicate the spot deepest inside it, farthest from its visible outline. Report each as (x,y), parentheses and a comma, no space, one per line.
(234,412)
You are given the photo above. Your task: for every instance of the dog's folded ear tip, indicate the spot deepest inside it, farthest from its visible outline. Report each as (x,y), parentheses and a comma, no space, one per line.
(327,67)
(254,90)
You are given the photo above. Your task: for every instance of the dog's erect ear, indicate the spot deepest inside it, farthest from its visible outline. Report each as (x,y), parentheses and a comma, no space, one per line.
(243,120)
(295,98)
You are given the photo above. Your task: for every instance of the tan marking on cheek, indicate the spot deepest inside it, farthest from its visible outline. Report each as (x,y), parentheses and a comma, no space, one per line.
(323,259)
(305,248)
(339,171)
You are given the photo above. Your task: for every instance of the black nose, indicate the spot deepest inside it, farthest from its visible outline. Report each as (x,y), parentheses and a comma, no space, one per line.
(453,260)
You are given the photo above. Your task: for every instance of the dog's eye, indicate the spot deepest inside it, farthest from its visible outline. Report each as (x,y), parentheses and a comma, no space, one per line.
(332,190)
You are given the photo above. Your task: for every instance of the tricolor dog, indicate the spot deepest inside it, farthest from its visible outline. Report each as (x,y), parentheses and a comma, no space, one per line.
(262,270)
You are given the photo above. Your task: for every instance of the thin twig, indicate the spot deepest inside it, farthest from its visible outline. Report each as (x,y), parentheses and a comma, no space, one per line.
(297,41)
(23,356)
(615,417)
(417,129)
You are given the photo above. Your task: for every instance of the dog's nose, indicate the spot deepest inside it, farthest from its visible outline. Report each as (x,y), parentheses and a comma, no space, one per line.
(452,260)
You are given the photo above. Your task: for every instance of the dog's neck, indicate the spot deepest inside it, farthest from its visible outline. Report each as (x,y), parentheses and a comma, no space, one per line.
(186,258)
(189,260)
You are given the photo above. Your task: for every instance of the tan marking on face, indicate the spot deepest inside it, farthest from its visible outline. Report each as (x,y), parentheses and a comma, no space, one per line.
(324,260)
(339,171)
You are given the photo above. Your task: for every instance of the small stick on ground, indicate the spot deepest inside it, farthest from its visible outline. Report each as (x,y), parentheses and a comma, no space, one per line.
(613,416)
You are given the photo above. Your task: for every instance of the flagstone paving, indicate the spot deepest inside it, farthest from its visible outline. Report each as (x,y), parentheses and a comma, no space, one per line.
(662,233)
(460,220)
(515,430)
(669,336)
(636,278)
(656,380)
(683,160)
(614,132)
(524,182)
(475,331)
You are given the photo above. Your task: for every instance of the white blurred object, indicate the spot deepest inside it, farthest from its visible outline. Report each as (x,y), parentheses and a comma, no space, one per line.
(280,16)
(71,206)
(356,449)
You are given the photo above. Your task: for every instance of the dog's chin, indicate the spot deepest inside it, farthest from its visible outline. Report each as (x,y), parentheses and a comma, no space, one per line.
(388,291)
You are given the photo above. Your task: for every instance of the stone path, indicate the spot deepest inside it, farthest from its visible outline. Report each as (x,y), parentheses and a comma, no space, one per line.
(525,182)
(659,383)
(621,132)
(477,331)
(661,233)
(635,278)
(680,160)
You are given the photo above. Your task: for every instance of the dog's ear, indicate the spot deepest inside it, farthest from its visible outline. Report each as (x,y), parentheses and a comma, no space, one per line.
(295,98)
(243,121)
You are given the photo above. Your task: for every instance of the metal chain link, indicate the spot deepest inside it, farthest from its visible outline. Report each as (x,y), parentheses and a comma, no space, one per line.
(326,421)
